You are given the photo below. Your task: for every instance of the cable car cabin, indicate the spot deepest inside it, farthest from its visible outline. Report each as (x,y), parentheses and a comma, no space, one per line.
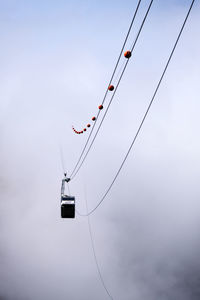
(67,206)
(67,203)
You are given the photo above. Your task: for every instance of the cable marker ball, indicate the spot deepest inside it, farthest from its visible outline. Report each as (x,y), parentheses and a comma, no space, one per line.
(88,125)
(100,106)
(127,54)
(111,87)
(93,119)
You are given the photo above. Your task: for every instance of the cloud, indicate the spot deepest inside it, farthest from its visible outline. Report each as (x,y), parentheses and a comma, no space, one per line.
(146,231)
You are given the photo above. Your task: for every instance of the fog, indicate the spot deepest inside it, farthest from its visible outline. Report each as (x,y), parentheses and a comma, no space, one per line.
(56,61)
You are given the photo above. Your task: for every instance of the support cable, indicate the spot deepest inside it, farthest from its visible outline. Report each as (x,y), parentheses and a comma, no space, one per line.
(145,115)
(64,167)
(76,170)
(62,161)
(127,35)
(94,252)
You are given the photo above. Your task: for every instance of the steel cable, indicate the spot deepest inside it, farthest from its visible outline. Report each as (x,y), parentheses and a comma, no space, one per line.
(145,115)
(94,252)
(86,154)
(127,35)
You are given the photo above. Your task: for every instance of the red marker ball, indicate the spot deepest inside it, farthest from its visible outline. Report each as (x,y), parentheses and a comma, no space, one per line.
(111,87)
(127,54)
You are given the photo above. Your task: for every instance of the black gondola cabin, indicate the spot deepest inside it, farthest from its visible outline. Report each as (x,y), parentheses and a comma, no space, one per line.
(67,203)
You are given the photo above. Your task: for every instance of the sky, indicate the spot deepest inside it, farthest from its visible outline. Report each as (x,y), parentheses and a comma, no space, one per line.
(56,60)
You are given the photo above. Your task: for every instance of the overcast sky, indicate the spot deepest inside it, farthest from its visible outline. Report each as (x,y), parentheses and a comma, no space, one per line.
(56,60)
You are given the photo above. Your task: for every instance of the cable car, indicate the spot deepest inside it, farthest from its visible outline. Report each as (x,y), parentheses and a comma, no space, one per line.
(67,202)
